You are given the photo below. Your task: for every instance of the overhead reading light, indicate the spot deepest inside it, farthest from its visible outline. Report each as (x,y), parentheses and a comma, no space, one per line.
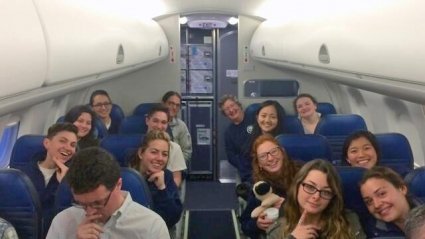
(233,21)
(183,20)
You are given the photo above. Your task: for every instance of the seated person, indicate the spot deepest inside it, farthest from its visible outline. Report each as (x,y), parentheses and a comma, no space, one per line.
(414,226)
(237,135)
(47,171)
(180,132)
(269,121)
(386,197)
(272,165)
(102,105)
(7,231)
(151,160)
(305,105)
(157,119)
(101,208)
(83,117)
(361,149)
(314,207)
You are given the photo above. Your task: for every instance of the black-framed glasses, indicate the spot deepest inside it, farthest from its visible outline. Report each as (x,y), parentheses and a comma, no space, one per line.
(272,152)
(95,205)
(100,105)
(310,189)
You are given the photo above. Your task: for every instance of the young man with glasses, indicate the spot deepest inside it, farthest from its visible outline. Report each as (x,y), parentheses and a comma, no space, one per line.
(102,106)
(101,209)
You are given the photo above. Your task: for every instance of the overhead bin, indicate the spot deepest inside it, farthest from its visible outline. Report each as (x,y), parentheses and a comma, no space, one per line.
(23,62)
(384,41)
(85,38)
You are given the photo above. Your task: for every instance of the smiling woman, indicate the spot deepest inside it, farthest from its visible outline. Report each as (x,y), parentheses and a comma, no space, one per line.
(151,161)
(83,118)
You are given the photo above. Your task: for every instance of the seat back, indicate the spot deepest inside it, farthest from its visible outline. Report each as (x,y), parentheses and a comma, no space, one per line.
(305,147)
(132,182)
(415,181)
(251,111)
(134,124)
(19,203)
(292,125)
(143,108)
(350,179)
(325,108)
(122,146)
(26,148)
(395,152)
(117,114)
(336,127)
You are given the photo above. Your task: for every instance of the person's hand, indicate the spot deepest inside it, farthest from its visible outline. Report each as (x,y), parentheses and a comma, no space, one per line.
(158,179)
(89,229)
(262,222)
(305,231)
(61,170)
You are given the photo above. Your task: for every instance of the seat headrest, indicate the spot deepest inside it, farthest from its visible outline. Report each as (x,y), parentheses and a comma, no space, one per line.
(415,181)
(121,146)
(340,124)
(134,124)
(143,108)
(396,152)
(26,147)
(305,147)
(325,108)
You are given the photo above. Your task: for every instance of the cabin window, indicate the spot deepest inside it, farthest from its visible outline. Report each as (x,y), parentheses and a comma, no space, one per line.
(8,139)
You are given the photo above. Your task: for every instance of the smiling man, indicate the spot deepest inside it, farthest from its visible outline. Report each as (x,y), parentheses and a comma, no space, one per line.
(101,209)
(47,170)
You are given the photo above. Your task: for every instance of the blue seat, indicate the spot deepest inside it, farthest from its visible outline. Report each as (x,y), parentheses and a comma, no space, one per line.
(26,148)
(122,146)
(395,152)
(336,127)
(293,125)
(251,111)
(415,181)
(305,147)
(143,108)
(133,125)
(19,203)
(325,108)
(350,178)
(117,114)
(132,182)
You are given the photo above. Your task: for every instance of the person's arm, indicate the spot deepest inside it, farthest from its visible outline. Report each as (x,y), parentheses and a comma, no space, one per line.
(177,176)
(232,151)
(249,224)
(184,140)
(167,201)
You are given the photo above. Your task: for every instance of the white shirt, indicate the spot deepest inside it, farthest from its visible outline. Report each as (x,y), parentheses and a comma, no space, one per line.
(131,220)
(176,160)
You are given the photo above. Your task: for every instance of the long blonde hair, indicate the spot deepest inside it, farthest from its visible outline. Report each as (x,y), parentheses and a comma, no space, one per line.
(335,223)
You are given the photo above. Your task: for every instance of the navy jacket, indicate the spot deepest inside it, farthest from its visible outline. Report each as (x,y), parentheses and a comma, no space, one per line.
(167,202)
(237,139)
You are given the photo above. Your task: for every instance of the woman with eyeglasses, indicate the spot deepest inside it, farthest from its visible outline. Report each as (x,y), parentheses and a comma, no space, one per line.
(151,161)
(271,164)
(181,135)
(102,106)
(386,197)
(314,207)
(83,117)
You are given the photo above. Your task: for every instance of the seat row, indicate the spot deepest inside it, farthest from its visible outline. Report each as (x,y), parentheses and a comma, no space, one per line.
(20,205)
